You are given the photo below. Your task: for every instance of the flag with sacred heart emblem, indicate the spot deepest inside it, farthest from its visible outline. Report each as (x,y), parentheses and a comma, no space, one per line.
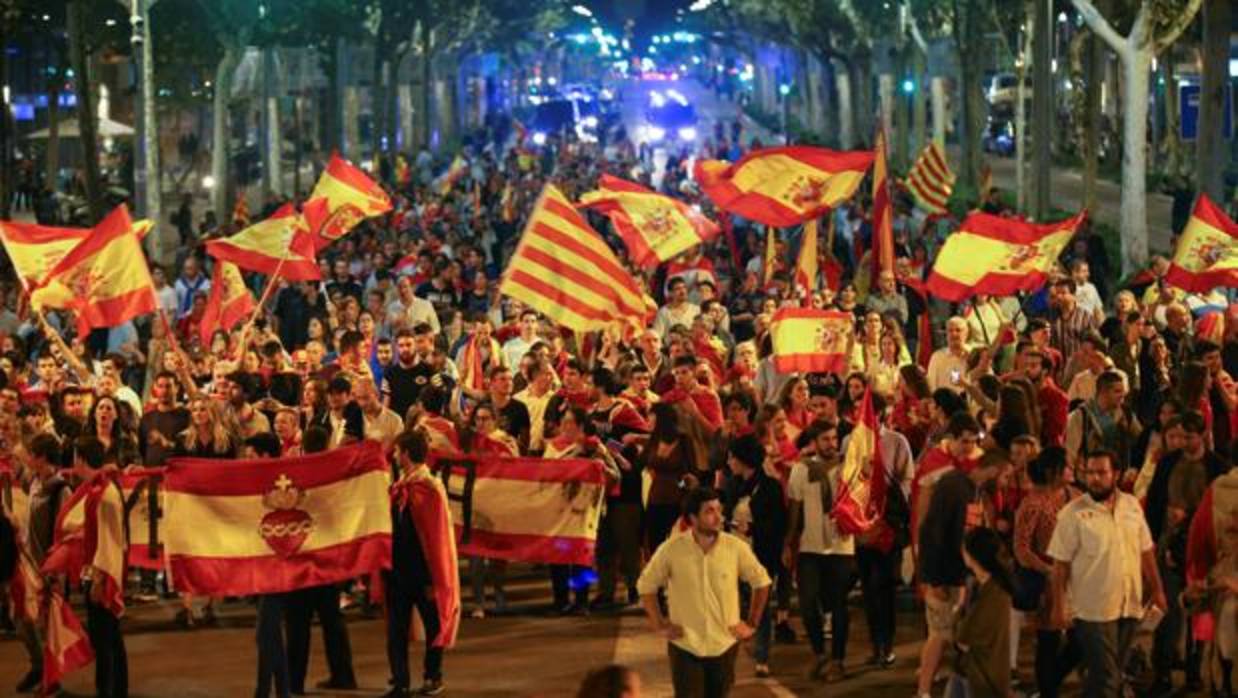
(783,186)
(279,524)
(998,256)
(810,341)
(654,227)
(1207,252)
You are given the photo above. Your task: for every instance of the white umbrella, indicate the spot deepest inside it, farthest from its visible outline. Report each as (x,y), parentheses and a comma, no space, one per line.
(69,129)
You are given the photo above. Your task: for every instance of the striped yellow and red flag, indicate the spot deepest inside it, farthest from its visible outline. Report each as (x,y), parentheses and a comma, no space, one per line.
(229,303)
(861,497)
(104,280)
(783,186)
(277,525)
(930,180)
(349,196)
(1207,252)
(998,256)
(654,227)
(563,269)
(281,242)
(518,511)
(806,266)
(809,340)
(240,211)
(883,212)
(35,249)
(66,646)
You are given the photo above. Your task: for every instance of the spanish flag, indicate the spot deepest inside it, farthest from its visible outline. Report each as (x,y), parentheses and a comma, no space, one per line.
(90,531)
(810,341)
(229,303)
(1207,252)
(883,213)
(350,196)
(277,525)
(35,249)
(861,497)
(806,266)
(930,180)
(104,280)
(144,551)
(281,242)
(655,228)
(783,186)
(563,269)
(459,166)
(66,646)
(998,256)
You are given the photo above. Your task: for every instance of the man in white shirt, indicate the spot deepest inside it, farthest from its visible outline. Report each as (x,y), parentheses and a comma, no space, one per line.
(1086,296)
(515,348)
(408,310)
(824,557)
(164,294)
(535,398)
(677,311)
(948,365)
(1103,557)
(699,572)
(381,423)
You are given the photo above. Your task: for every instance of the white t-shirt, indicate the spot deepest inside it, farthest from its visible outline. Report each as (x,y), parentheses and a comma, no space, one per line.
(820,535)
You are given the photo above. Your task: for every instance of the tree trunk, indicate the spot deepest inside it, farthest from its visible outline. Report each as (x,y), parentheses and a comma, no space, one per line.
(937,85)
(298,142)
(220,128)
(392,116)
(6,143)
(1042,109)
(53,133)
(862,91)
(162,240)
(919,112)
(1171,140)
(334,98)
(846,114)
(1134,217)
(885,103)
(87,120)
(1211,151)
(378,98)
(1020,121)
(1093,75)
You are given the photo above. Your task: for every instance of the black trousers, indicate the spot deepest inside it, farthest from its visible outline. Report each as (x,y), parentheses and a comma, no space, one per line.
(272,655)
(618,548)
(702,677)
(824,582)
(879,584)
(659,520)
(111,662)
(400,605)
(1057,654)
(298,618)
(561,585)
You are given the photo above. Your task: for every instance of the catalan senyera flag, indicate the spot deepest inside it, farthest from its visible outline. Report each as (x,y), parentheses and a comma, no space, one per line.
(66,646)
(563,269)
(930,180)
(104,280)
(806,266)
(229,303)
(783,186)
(349,197)
(810,341)
(998,256)
(525,509)
(861,497)
(654,227)
(35,249)
(281,242)
(1207,252)
(883,212)
(277,525)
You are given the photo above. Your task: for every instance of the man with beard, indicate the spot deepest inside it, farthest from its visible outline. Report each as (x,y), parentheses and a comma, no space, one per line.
(1104,555)
(404,379)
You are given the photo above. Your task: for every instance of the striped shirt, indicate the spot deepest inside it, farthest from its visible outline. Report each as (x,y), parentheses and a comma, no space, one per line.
(1068,331)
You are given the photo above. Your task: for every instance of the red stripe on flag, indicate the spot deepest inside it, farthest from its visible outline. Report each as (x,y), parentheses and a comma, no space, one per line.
(990,284)
(558,267)
(551,550)
(555,295)
(109,312)
(292,269)
(239,478)
(810,363)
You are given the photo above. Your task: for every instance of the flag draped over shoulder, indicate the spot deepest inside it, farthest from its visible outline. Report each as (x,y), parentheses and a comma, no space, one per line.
(930,180)
(348,196)
(810,341)
(1207,252)
(783,186)
(425,498)
(861,497)
(525,509)
(655,228)
(229,303)
(563,269)
(261,247)
(883,212)
(277,524)
(104,279)
(998,256)
(90,530)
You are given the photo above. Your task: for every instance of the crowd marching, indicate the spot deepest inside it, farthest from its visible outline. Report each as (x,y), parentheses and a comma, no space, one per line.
(1040,455)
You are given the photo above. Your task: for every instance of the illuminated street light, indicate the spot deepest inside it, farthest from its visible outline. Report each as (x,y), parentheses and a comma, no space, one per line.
(582,10)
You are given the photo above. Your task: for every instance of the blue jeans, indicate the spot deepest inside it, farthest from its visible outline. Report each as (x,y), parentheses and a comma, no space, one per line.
(764,636)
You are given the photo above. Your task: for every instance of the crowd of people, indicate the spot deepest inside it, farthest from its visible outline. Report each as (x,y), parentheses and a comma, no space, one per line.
(1048,460)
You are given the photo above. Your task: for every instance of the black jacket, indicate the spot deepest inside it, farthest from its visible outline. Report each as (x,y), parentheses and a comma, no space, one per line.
(1158,492)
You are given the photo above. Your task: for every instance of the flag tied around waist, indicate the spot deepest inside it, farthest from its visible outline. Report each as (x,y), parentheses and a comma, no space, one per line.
(525,509)
(264,526)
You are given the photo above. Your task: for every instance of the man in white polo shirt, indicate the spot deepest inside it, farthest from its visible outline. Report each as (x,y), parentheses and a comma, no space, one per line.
(701,574)
(1103,557)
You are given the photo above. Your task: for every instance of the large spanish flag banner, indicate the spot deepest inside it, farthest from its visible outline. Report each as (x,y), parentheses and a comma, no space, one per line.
(525,509)
(281,243)
(563,269)
(105,279)
(229,303)
(349,197)
(783,186)
(930,180)
(654,227)
(810,341)
(1207,253)
(998,256)
(145,552)
(235,528)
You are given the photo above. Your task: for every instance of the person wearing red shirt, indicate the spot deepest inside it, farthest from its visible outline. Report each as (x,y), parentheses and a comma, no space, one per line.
(1053,401)
(698,400)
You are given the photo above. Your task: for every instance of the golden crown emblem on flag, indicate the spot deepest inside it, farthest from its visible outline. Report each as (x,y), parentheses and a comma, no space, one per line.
(342,220)
(83,282)
(659,223)
(807,191)
(1022,255)
(1210,252)
(829,338)
(285,527)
